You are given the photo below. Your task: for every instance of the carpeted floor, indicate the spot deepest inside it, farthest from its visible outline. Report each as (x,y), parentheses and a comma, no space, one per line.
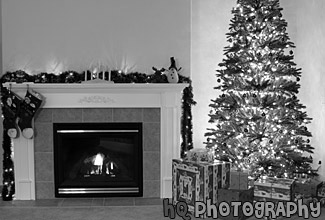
(93,209)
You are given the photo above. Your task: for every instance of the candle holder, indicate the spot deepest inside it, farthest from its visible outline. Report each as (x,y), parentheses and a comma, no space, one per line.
(95,77)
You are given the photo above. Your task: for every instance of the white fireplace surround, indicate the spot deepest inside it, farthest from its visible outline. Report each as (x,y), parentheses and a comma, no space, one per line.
(167,97)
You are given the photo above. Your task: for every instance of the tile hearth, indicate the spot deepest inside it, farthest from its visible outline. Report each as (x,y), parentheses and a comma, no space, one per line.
(44,169)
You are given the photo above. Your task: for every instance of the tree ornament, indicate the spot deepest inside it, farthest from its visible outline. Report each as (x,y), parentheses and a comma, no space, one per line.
(218,80)
(271,141)
(291,52)
(308,141)
(263,114)
(298,79)
(247,160)
(246,130)
(223,95)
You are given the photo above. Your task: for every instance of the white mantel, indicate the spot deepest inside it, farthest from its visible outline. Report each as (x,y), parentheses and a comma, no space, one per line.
(167,97)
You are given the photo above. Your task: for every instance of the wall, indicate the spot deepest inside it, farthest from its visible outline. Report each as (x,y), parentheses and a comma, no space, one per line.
(310,56)
(210,22)
(53,36)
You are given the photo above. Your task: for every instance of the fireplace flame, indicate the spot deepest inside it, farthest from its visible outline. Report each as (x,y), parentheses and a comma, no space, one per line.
(99,159)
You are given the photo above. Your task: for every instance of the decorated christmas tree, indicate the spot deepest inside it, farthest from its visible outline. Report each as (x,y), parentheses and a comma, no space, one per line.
(258,122)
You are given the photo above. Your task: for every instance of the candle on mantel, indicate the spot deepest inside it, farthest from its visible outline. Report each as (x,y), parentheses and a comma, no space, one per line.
(105,76)
(85,75)
(109,76)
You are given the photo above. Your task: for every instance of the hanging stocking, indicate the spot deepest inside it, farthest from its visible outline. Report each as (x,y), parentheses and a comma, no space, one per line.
(28,107)
(11,104)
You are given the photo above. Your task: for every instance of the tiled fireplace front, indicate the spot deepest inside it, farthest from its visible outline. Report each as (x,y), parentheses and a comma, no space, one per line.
(44,158)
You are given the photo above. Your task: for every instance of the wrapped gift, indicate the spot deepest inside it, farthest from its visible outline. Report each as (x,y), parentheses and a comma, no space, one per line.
(306,199)
(276,189)
(321,191)
(238,180)
(200,155)
(193,182)
(231,195)
(301,176)
(309,187)
(251,181)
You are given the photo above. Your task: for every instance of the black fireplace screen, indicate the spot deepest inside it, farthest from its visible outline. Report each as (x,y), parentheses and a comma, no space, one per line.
(98,159)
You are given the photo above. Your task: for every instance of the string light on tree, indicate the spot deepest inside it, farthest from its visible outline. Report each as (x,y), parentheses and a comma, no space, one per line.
(258,115)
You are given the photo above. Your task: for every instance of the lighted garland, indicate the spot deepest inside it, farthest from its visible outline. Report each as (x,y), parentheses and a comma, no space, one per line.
(186,126)
(20,76)
(8,189)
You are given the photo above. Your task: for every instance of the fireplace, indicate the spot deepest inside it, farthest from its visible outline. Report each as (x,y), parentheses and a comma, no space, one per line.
(98,159)
(97,103)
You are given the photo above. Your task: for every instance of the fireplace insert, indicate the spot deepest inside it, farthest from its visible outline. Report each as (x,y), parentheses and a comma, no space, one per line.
(98,159)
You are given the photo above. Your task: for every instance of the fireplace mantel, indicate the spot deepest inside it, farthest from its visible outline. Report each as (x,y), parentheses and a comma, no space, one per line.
(167,97)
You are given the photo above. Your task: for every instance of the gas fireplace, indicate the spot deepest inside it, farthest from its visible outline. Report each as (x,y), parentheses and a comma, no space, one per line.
(98,159)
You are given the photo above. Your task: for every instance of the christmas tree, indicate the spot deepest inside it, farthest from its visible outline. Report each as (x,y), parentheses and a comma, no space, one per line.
(258,122)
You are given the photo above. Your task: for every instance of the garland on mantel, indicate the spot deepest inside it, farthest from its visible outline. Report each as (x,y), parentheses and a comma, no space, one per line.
(21,76)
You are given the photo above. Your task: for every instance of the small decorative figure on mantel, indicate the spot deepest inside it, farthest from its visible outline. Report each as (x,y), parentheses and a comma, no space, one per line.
(172,72)
(159,75)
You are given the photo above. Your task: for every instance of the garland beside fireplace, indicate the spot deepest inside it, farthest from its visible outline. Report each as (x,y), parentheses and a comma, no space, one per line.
(20,76)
